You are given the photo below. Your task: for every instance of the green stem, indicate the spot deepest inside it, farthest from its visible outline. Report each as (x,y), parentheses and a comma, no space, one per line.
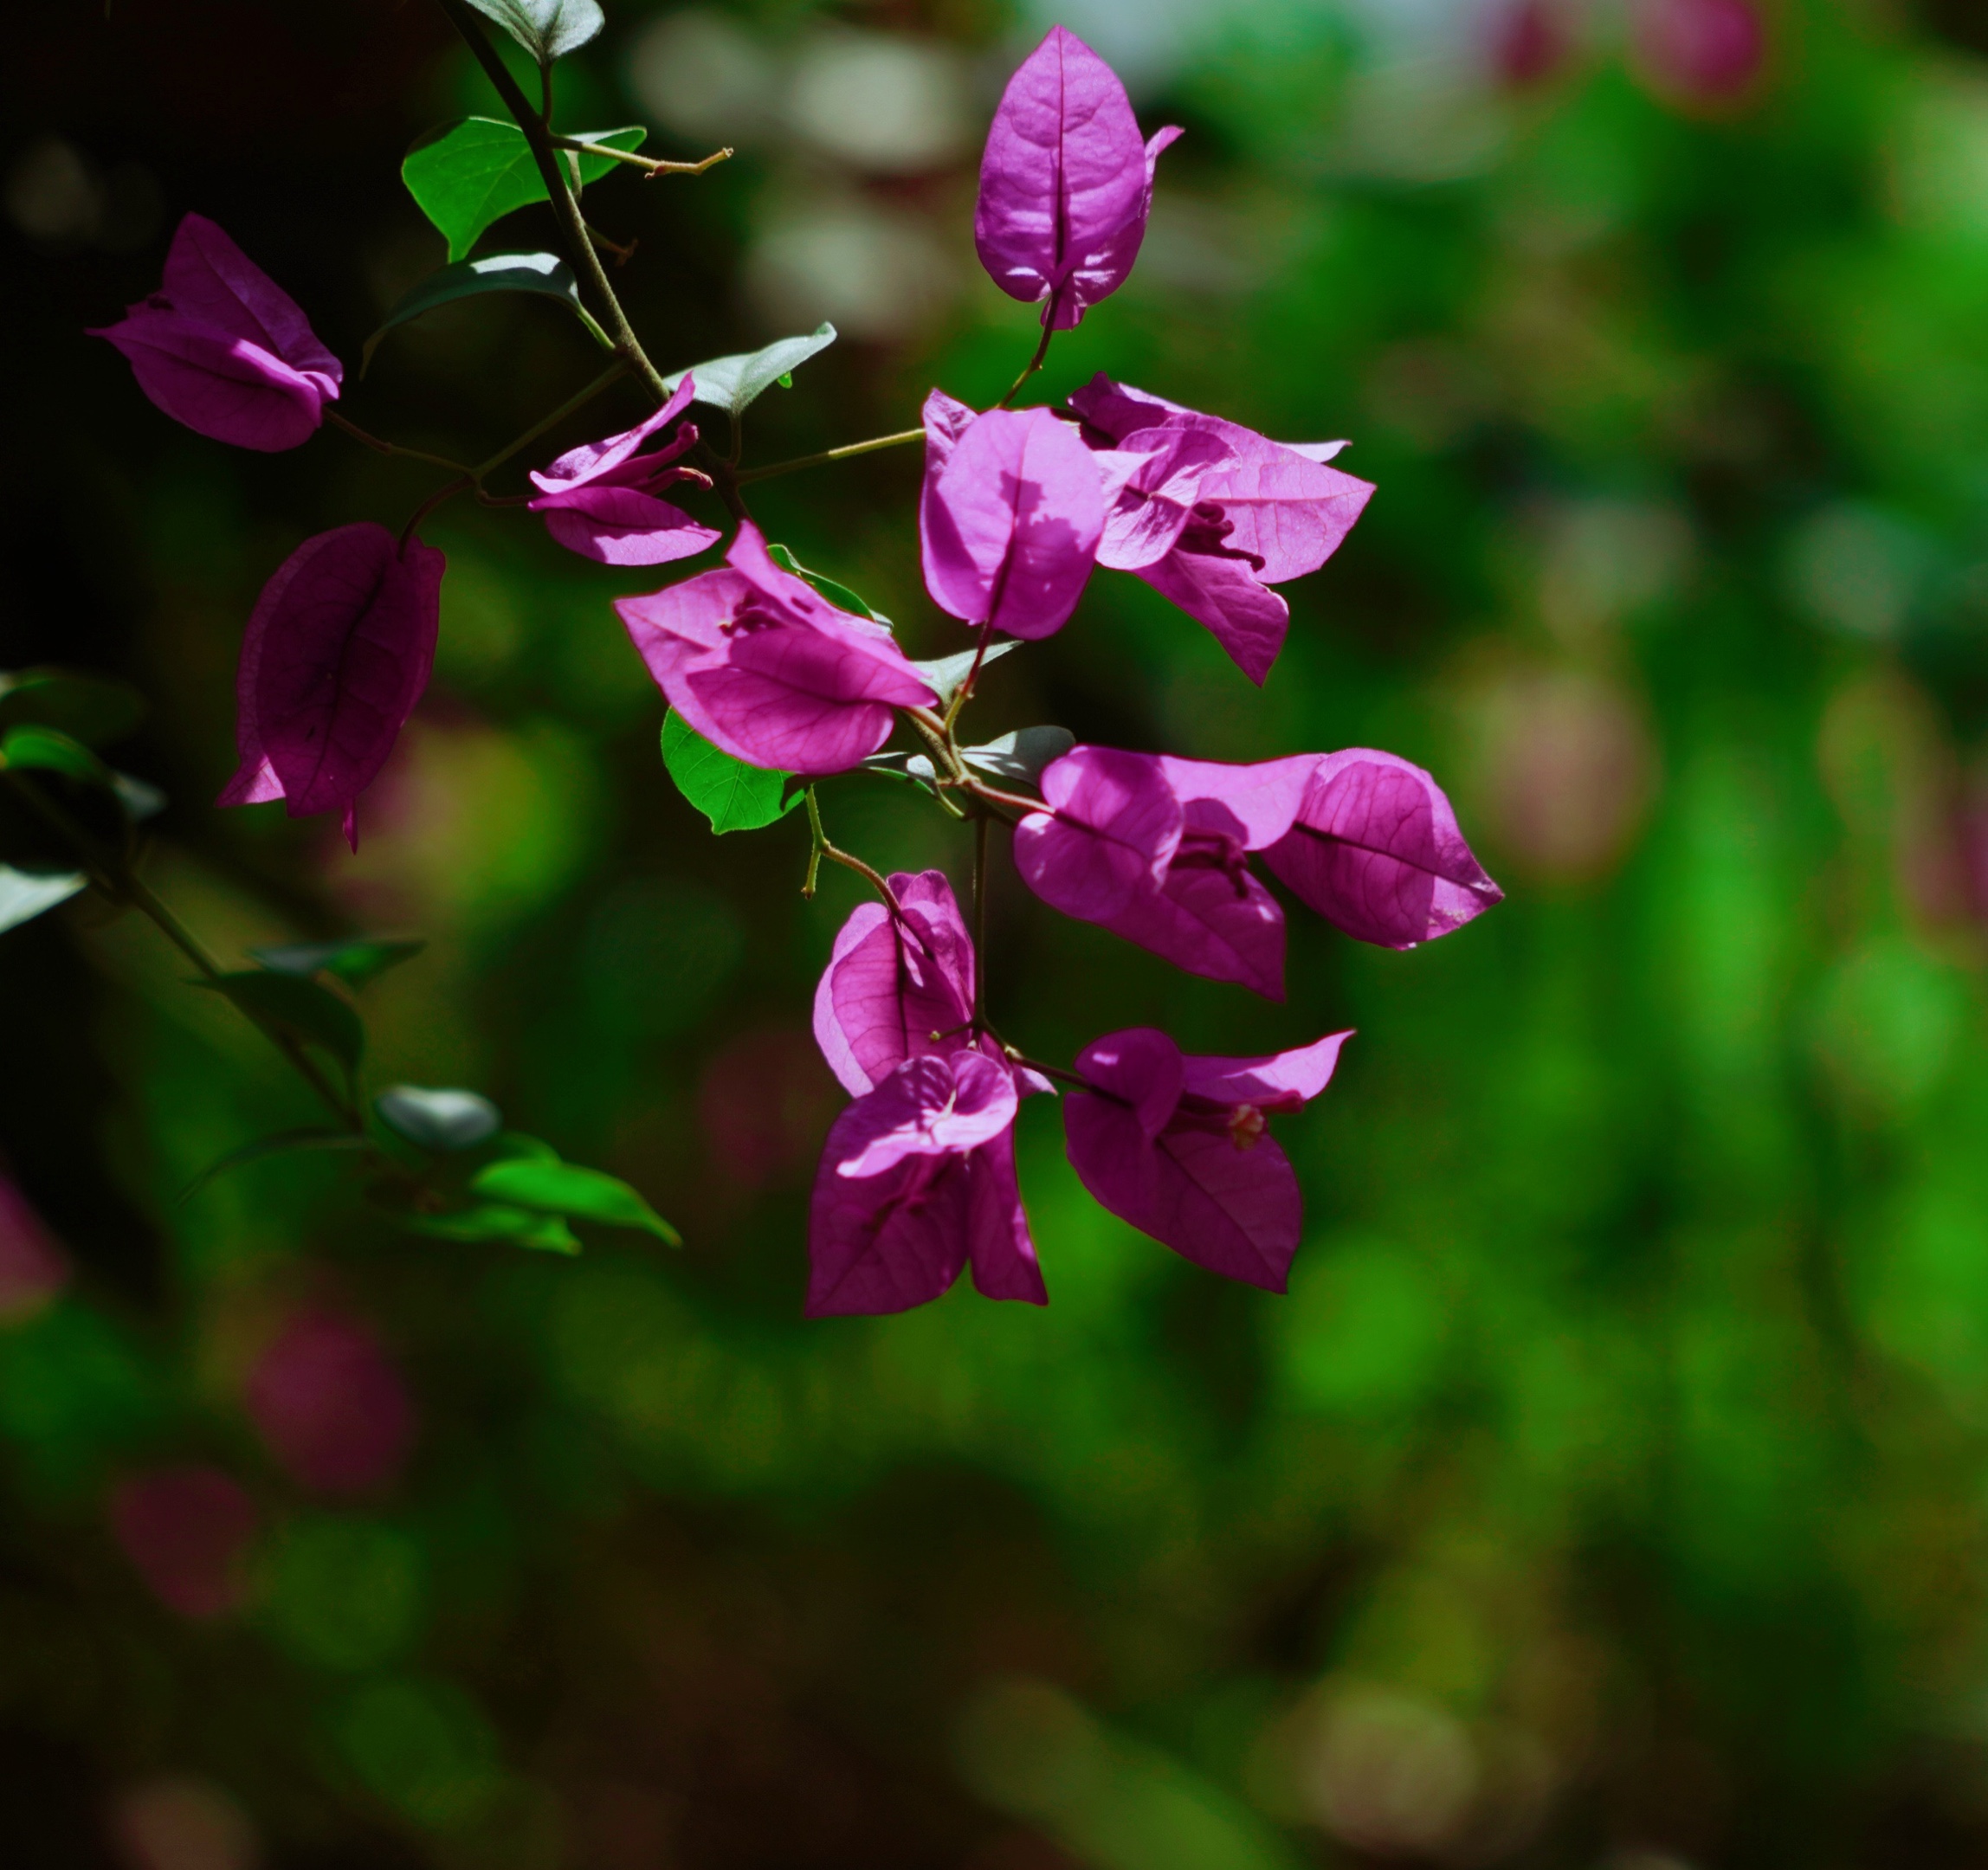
(579,249)
(1017,1057)
(611,375)
(648,164)
(1034,363)
(393,447)
(823,848)
(827,455)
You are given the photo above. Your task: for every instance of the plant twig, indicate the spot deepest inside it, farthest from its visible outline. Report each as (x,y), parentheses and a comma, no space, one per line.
(822,848)
(1034,363)
(843,453)
(393,447)
(650,165)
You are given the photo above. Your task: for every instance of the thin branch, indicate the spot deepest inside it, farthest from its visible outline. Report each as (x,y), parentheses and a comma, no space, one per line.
(1017,1057)
(649,165)
(1034,363)
(843,453)
(822,848)
(607,379)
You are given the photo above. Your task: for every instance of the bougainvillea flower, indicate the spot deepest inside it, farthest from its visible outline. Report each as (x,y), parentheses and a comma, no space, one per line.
(1153,480)
(599,501)
(1010,528)
(1066,185)
(1176,1146)
(1375,849)
(223,348)
(1154,849)
(762,664)
(917,1181)
(1273,512)
(894,980)
(337,651)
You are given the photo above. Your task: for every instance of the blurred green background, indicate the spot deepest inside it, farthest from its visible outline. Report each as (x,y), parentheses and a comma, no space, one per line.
(1611,1489)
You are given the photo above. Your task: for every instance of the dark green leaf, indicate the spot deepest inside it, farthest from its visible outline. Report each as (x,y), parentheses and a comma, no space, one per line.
(466,175)
(89,708)
(839,595)
(438,1119)
(732,795)
(546,28)
(1023,754)
(544,273)
(562,1188)
(298,1007)
(947,672)
(355,961)
(499,1221)
(25,895)
(50,749)
(283,1143)
(734,383)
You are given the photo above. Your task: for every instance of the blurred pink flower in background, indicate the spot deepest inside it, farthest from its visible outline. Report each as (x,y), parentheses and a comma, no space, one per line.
(330,1405)
(1529,41)
(32,1267)
(186,1529)
(182,1824)
(1700,51)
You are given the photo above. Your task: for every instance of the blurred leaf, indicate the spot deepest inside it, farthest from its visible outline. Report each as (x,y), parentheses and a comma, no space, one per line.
(281,1144)
(89,708)
(50,749)
(947,672)
(732,795)
(1023,754)
(438,1119)
(466,175)
(565,1189)
(836,593)
(297,1006)
(500,1221)
(355,961)
(543,274)
(140,798)
(735,383)
(546,28)
(25,895)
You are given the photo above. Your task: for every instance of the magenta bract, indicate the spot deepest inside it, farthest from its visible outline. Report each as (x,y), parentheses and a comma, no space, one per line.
(1375,849)
(222,348)
(762,664)
(1176,1146)
(1066,185)
(1154,849)
(337,652)
(1011,521)
(600,499)
(1263,512)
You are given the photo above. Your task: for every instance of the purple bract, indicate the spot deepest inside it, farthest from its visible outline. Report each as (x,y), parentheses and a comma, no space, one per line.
(223,348)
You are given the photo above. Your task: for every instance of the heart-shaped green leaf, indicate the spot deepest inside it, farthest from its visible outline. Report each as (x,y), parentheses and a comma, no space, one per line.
(543,274)
(565,1189)
(438,1119)
(733,383)
(25,895)
(546,28)
(466,175)
(89,708)
(732,795)
(297,1007)
(499,1221)
(356,960)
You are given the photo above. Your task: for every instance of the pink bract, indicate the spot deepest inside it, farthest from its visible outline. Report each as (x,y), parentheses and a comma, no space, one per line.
(222,348)
(337,652)
(1011,522)
(1066,185)
(1176,1146)
(1265,512)
(600,499)
(763,666)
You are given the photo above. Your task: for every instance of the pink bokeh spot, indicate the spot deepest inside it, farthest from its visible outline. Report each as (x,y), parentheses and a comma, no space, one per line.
(32,1267)
(1702,51)
(330,1405)
(186,1530)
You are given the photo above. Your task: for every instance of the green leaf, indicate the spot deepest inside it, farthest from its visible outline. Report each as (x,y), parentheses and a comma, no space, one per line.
(499,1221)
(564,1189)
(355,961)
(25,895)
(1023,754)
(283,1143)
(734,383)
(732,795)
(466,175)
(89,708)
(946,674)
(438,1119)
(50,749)
(544,273)
(298,1007)
(840,595)
(546,28)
